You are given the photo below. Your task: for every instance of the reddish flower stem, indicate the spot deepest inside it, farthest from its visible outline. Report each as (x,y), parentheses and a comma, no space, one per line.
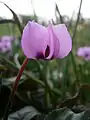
(14,89)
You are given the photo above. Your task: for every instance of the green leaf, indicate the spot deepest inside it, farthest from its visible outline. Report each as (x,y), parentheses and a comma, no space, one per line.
(35,97)
(67,114)
(15,17)
(59,114)
(86,115)
(26,113)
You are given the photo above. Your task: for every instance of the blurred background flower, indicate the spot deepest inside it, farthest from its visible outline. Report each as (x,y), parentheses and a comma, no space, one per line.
(6,43)
(84,52)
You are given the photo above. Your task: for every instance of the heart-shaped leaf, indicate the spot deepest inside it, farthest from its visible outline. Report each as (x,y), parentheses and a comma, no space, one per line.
(26,113)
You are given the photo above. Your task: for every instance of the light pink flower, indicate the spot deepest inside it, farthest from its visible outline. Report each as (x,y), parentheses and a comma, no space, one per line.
(49,42)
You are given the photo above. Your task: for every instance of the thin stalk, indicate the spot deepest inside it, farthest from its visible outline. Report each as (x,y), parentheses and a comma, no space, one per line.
(78,17)
(46,94)
(44,78)
(75,68)
(60,16)
(73,37)
(14,89)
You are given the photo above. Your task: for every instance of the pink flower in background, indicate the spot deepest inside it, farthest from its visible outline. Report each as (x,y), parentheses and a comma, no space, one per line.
(7,38)
(84,52)
(6,43)
(42,42)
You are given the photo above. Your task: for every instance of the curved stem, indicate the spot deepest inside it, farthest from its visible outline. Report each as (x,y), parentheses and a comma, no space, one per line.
(14,89)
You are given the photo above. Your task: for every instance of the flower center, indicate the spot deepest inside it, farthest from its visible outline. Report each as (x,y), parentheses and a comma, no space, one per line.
(40,54)
(47,52)
(86,55)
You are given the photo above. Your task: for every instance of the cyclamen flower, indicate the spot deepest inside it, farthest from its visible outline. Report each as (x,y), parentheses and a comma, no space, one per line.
(39,42)
(6,43)
(84,52)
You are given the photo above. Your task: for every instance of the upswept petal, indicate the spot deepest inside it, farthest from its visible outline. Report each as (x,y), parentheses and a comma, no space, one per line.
(64,40)
(34,39)
(50,43)
(55,43)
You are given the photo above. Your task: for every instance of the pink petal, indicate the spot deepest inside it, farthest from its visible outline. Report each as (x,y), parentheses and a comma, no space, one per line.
(34,39)
(50,43)
(62,41)
(55,44)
